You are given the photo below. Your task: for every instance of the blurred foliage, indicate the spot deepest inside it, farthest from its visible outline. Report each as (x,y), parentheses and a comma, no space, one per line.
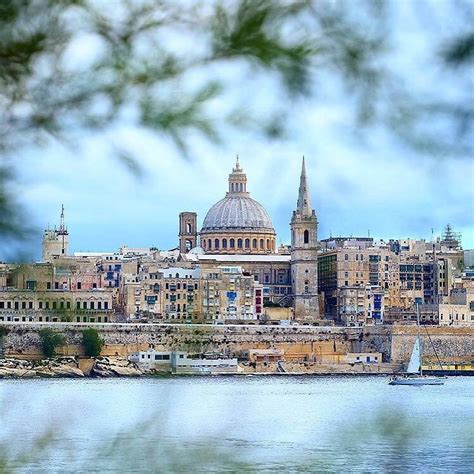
(72,67)
(389,442)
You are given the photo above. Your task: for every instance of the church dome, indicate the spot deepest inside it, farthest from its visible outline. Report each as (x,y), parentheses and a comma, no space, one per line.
(237,211)
(237,223)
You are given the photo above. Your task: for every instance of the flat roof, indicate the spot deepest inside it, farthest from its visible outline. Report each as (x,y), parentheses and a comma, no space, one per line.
(245,258)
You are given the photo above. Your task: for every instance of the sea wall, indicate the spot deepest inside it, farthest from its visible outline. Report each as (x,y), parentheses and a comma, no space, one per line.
(310,343)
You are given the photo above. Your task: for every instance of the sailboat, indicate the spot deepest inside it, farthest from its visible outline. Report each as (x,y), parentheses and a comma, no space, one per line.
(414,373)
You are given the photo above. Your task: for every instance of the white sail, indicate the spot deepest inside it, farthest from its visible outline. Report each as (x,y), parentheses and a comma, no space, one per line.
(415,359)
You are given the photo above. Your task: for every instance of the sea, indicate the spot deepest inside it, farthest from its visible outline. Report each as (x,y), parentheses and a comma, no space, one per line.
(236,424)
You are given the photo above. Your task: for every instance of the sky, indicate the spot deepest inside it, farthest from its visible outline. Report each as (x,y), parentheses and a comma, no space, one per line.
(362,182)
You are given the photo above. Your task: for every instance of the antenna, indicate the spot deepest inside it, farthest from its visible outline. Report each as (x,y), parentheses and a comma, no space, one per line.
(62,227)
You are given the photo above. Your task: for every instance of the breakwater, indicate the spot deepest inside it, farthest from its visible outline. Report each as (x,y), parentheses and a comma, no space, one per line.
(299,343)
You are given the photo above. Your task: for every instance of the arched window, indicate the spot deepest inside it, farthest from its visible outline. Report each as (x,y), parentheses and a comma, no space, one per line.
(261,244)
(306,237)
(188,228)
(224,243)
(232,243)
(254,243)
(268,244)
(232,188)
(216,243)
(209,242)
(177,276)
(247,243)
(239,243)
(204,244)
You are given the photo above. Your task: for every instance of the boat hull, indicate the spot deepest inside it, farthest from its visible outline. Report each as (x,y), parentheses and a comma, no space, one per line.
(418,381)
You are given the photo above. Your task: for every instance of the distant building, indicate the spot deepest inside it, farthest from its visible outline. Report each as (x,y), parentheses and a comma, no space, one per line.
(56,241)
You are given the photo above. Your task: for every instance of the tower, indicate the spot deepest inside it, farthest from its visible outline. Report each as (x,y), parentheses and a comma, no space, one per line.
(56,241)
(304,255)
(187,231)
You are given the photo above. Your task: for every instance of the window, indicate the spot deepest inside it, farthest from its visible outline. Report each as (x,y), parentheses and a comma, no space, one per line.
(94,285)
(48,285)
(106,305)
(254,243)
(40,305)
(30,285)
(47,304)
(68,305)
(224,243)
(54,304)
(306,237)
(209,244)
(247,243)
(216,243)
(346,256)
(188,228)
(78,305)
(79,285)
(84,304)
(239,243)
(268,244)
(261,244)
(232,243)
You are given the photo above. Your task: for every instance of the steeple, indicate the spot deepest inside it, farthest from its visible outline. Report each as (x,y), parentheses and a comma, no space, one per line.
(304,255)
(237,179)
(303,206)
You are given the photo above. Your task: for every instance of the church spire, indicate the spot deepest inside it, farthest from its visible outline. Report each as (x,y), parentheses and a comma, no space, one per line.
(303,206)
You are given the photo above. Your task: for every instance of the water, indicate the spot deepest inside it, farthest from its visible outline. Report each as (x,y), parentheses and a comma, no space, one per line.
(203,424)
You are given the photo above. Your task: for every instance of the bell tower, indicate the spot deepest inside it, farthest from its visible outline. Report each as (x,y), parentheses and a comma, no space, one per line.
(304,255)
(187,231)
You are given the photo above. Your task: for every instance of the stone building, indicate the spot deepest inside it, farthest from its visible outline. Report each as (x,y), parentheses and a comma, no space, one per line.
(458,308)
(361,305)
(56,241)
(230,296)
(56,305)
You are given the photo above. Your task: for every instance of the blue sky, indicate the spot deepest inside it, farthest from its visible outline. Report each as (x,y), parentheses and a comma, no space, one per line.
(360,180)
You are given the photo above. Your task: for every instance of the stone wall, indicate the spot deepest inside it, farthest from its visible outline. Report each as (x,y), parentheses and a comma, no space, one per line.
(298,342)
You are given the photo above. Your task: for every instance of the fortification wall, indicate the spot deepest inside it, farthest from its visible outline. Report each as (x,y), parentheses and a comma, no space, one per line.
(298,342)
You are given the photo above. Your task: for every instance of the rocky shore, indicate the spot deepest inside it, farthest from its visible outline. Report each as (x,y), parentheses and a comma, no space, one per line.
(69,367)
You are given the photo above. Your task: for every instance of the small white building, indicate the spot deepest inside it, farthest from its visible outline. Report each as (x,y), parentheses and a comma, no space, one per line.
(178,362)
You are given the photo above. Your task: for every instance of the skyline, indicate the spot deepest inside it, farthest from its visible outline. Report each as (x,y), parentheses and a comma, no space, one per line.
(279,201)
